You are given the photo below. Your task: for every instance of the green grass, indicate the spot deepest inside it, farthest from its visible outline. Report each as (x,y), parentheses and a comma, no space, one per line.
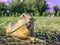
(41,23)
(47,23)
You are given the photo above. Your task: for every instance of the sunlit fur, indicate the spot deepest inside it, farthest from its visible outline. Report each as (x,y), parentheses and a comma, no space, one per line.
(27,30)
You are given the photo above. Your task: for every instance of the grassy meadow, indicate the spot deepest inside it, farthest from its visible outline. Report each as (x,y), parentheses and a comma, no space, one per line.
(42,24)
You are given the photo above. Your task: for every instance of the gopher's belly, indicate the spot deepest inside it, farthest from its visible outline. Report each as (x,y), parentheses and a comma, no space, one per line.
(21,32)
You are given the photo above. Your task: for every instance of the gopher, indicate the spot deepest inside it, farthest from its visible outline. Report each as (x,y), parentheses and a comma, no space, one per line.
(26,24)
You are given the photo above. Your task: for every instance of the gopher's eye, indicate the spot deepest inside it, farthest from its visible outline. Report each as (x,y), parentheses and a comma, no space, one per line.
(23,15)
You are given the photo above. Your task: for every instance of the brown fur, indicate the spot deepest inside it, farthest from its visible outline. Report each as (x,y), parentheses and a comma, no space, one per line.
(24,31)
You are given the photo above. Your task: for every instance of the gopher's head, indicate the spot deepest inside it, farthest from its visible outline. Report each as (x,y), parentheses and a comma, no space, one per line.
(26,19)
